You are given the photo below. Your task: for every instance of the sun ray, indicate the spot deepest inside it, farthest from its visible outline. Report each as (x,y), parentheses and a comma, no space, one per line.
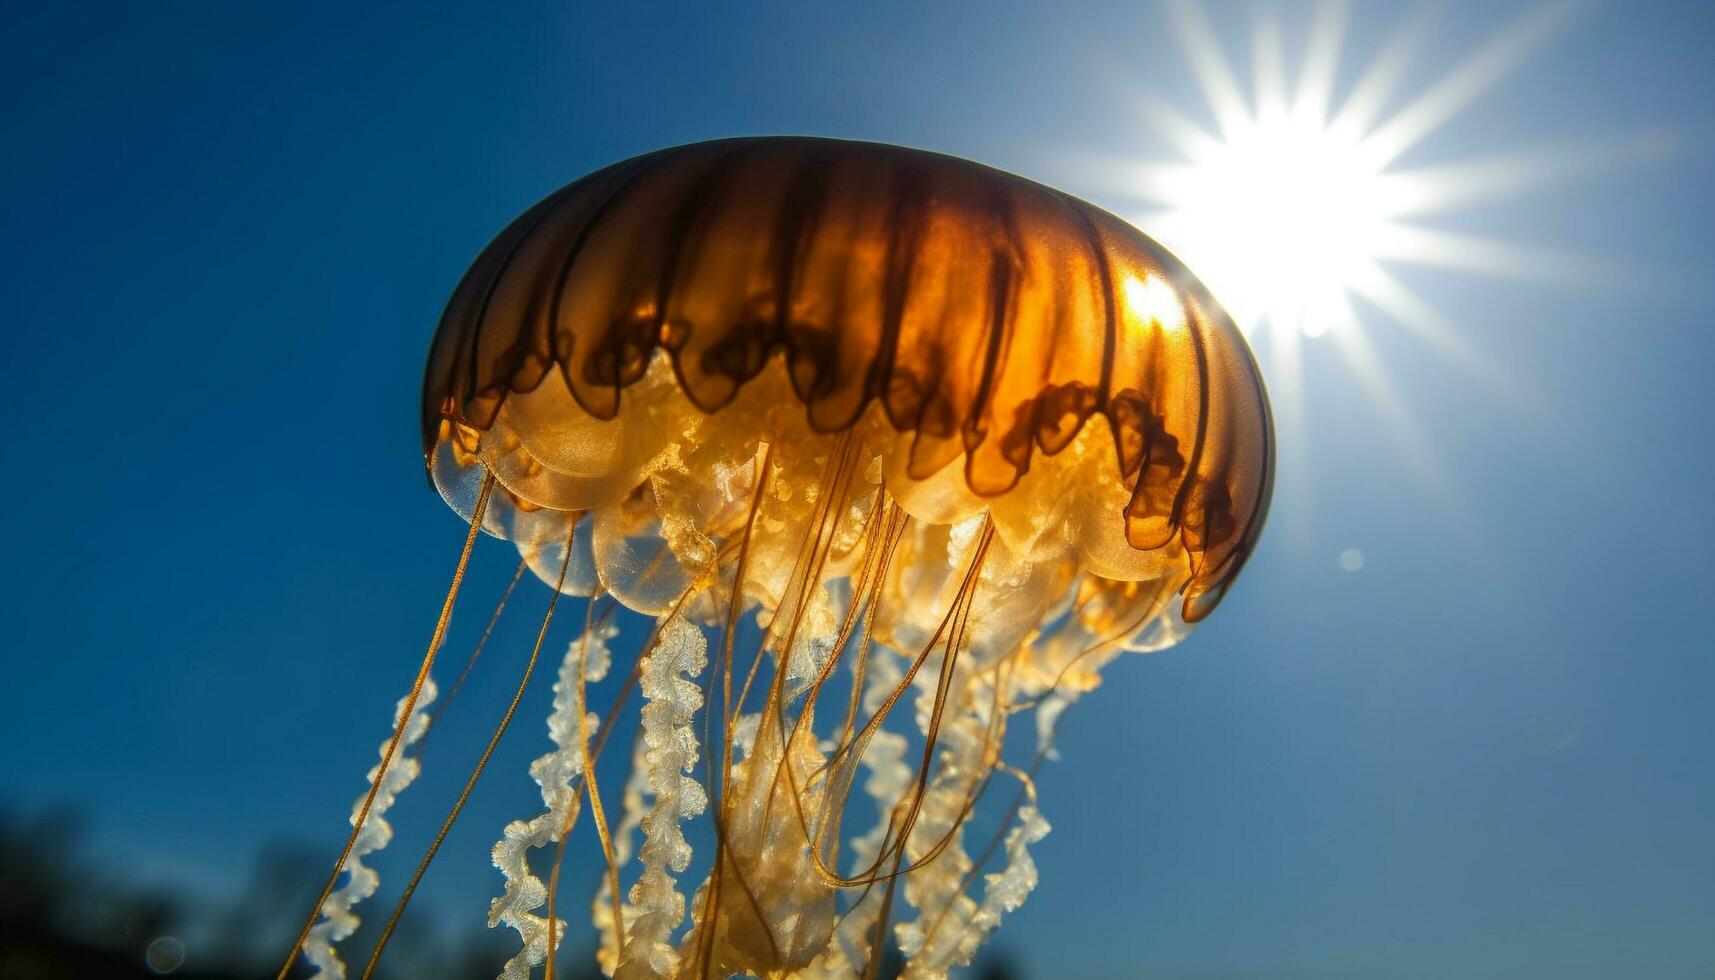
(1380,78)
(1430,473)
(1411,311)
(1417,317)
(1294,208)
(1268,66)
(1484,256)
(1449,187)
(1214,76)
(1189,138)
(1415,449)
(1286,396)
(1315,93)
(1473,77)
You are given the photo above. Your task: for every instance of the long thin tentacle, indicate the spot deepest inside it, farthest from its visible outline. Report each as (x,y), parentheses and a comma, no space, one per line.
(404,715)
(476,773)
(475,653)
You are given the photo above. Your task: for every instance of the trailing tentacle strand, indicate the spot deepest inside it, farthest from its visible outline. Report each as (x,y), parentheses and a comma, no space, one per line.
(338,920)
(558,773)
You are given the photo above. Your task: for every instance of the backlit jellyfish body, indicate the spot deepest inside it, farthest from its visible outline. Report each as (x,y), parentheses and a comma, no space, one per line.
(898,451)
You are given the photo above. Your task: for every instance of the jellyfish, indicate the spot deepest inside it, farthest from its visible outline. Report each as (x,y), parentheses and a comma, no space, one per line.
(892,453)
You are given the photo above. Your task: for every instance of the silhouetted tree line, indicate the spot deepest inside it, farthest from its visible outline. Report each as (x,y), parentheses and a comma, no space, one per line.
(62,916)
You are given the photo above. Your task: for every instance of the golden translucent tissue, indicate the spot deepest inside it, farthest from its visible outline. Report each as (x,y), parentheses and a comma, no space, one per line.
(896,450)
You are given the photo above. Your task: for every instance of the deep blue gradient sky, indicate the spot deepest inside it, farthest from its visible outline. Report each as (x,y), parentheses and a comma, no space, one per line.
(228,232)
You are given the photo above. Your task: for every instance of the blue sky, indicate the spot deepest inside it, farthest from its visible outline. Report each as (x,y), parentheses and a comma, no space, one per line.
(1486,753)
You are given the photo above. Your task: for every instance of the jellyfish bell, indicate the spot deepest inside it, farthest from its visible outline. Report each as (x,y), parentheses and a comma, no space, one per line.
(986,318)
(894,448)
